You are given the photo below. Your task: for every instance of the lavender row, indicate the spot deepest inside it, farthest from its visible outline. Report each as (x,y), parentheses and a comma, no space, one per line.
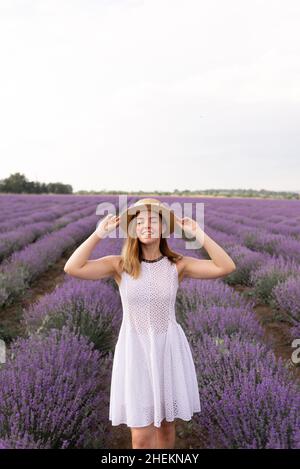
(55,393)
(26,265)
(39,214)
(258,239)
(15,240)
(274,279)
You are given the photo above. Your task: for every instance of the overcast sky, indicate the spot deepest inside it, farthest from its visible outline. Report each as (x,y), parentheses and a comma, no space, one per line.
(151,95)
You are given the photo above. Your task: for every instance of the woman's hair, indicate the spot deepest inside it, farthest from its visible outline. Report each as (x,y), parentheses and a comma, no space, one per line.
(131,253)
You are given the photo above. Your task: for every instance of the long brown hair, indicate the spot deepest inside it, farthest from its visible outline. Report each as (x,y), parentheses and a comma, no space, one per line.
(131,253)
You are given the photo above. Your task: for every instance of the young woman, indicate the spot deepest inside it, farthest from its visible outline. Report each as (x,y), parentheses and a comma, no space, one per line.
(153,376)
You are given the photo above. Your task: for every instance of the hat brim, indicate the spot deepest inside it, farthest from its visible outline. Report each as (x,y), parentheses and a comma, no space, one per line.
(127,215)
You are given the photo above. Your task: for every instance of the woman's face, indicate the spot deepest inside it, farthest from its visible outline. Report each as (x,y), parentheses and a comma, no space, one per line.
(148,225)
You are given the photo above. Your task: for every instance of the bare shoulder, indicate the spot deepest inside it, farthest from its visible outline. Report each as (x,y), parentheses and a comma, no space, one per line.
(95,269)
(185,265)
(193,267)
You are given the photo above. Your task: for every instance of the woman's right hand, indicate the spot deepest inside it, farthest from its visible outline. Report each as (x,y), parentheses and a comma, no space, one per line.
(108,224)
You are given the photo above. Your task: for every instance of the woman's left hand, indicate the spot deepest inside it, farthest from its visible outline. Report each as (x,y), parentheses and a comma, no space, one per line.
(188,225)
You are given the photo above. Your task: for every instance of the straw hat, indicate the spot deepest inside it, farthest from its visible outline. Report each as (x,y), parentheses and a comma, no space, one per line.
(142,204)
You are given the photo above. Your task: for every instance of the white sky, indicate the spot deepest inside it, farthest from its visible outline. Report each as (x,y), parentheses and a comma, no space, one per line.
(151,95)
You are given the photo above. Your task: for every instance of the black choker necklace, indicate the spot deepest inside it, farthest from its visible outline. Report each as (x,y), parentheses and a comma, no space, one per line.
(153,260)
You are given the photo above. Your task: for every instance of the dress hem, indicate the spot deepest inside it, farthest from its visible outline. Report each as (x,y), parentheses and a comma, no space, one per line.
(157,426)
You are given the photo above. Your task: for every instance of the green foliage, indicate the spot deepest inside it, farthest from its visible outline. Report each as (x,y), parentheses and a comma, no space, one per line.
(17,183)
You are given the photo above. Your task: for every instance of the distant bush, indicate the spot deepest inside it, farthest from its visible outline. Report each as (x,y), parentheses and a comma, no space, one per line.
(17,183)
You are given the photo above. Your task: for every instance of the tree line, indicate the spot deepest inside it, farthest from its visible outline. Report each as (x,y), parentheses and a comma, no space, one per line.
(17,183)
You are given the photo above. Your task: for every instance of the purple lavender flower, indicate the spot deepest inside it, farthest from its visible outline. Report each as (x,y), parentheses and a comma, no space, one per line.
(55,389)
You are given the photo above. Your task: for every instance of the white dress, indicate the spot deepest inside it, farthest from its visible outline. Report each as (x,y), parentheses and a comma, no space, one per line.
(153,373)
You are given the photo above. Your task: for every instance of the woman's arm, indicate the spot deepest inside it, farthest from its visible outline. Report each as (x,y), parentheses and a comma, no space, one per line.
(220,264)
(78,264)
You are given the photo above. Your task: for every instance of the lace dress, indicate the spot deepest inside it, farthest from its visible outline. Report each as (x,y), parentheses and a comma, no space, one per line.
(153,373)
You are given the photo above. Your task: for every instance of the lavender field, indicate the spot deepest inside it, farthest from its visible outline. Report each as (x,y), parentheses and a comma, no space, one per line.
(60,332)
